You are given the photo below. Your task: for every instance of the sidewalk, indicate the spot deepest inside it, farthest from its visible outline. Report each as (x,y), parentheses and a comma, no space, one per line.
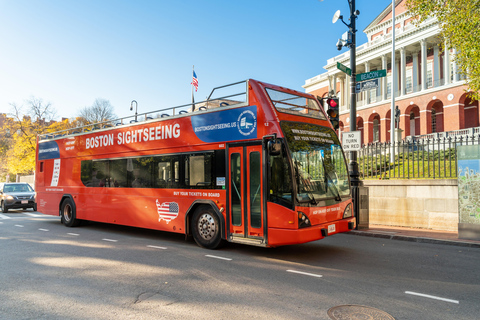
(416,235)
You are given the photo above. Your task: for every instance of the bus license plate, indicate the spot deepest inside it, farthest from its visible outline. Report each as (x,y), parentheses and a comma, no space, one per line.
(24,201)
(331,228)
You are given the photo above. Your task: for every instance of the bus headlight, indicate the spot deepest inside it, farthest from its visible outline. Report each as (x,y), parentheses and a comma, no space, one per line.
(303,220)
(348,211)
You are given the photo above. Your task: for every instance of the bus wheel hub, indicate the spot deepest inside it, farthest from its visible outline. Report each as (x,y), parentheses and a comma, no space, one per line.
(206,225)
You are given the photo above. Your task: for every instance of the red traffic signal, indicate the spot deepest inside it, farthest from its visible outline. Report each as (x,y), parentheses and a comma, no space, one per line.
(333,112)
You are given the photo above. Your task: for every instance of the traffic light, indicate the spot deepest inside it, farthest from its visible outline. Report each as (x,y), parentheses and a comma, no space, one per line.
(333,112)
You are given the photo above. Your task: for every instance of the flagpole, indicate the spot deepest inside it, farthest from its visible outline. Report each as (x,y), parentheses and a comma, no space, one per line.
(193,99)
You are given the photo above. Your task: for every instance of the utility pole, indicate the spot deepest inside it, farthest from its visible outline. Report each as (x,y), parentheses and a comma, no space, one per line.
(351,43)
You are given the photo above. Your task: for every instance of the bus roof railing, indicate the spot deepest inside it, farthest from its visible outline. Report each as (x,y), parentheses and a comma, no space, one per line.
(181,110)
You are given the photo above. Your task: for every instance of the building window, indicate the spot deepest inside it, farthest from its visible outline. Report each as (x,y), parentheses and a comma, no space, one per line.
(429,74)
(376,130)
(408,81)
(373,95)
(434,121)
(389,86)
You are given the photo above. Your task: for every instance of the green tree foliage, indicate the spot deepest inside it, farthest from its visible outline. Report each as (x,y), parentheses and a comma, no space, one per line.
(460,29)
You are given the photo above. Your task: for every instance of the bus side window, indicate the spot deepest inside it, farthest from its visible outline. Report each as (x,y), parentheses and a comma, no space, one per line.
(100,173)
(118,173)
(86,172)
(199,170)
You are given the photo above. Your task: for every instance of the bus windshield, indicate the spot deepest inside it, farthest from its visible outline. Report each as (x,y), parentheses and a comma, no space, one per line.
(319,165)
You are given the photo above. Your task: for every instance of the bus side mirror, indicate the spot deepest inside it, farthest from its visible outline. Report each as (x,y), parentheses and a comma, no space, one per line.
(275,147)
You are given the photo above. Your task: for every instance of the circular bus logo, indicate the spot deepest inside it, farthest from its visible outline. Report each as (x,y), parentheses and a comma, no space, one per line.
(246,122)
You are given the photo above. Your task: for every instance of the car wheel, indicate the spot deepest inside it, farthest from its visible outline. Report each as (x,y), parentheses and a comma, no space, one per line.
(35,207)
(4,207)
(69,217)
(206,228)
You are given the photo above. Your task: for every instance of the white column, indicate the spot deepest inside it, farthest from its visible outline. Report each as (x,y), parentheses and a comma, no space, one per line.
(455,67)
(436,66)
(446,65)
(347,94)
(342,94)
(384,79)
(415,72)
(397,73)
(334,84)
(423,44)
(403,71)
(366,94)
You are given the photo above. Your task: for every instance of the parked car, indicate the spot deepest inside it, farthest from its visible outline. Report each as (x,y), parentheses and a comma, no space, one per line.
(17,195)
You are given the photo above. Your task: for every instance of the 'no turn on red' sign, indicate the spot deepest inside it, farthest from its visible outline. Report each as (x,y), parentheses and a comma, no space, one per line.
(351,141)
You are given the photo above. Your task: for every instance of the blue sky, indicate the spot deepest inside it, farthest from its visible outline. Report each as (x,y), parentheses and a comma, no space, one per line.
(71,52)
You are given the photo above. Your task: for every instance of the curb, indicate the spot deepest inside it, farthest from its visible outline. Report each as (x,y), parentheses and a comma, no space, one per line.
(414,239)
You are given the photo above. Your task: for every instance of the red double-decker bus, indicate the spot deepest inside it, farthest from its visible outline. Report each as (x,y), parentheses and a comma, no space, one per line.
(254,163)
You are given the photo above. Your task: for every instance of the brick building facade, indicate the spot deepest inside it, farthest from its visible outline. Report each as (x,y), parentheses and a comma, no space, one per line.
(429,89)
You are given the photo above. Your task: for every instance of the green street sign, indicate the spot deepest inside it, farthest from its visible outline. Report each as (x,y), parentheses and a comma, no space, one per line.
(371,75)
(343,68)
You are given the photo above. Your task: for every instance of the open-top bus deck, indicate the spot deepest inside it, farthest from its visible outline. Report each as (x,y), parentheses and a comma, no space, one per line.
(254,163)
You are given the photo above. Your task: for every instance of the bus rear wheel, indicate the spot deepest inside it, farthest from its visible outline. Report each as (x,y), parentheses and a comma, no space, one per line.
(206,228)
(69,218)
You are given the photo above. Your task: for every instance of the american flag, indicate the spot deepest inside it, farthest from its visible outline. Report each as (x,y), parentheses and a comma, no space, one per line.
(167,211)
(195,81)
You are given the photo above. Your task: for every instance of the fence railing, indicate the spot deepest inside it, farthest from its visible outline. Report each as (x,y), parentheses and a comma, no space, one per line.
(427,158)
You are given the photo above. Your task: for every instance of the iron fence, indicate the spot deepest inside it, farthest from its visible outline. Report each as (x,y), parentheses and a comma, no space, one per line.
(413,158)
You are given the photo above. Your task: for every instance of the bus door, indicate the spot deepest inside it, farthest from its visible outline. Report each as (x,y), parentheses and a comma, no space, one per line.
(246,218)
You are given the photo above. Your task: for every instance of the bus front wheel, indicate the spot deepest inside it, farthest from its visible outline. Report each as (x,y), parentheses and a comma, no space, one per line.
(206,228)
(69,218)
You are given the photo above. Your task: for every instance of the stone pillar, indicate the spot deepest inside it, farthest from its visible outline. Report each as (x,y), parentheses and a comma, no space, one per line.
(425,121)
(367,93)
(436,66)
(342,94)
(423,44)
(446,65)
(403,72)
(397,76)
(415,72)
(384,79)
(455,67)
(334,85)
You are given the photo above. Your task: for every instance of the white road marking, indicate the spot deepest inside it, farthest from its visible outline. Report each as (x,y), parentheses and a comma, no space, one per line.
(432,297)
(110,240)
(306,273)
(73,234)
(19,225)
(2,216)
(156,247)
(32,214)
(43,229)
(217,257)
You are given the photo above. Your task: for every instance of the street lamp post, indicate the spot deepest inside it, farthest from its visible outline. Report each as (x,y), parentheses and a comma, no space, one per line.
(351,43)
(131,108)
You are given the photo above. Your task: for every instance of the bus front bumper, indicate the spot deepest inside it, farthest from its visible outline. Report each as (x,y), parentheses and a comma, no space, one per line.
(282,237)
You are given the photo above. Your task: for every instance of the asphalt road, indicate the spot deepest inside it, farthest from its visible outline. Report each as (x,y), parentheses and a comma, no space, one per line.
(98,271)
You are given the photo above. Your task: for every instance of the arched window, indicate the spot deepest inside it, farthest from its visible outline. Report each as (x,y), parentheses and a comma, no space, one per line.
(376,130)
(434,121)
